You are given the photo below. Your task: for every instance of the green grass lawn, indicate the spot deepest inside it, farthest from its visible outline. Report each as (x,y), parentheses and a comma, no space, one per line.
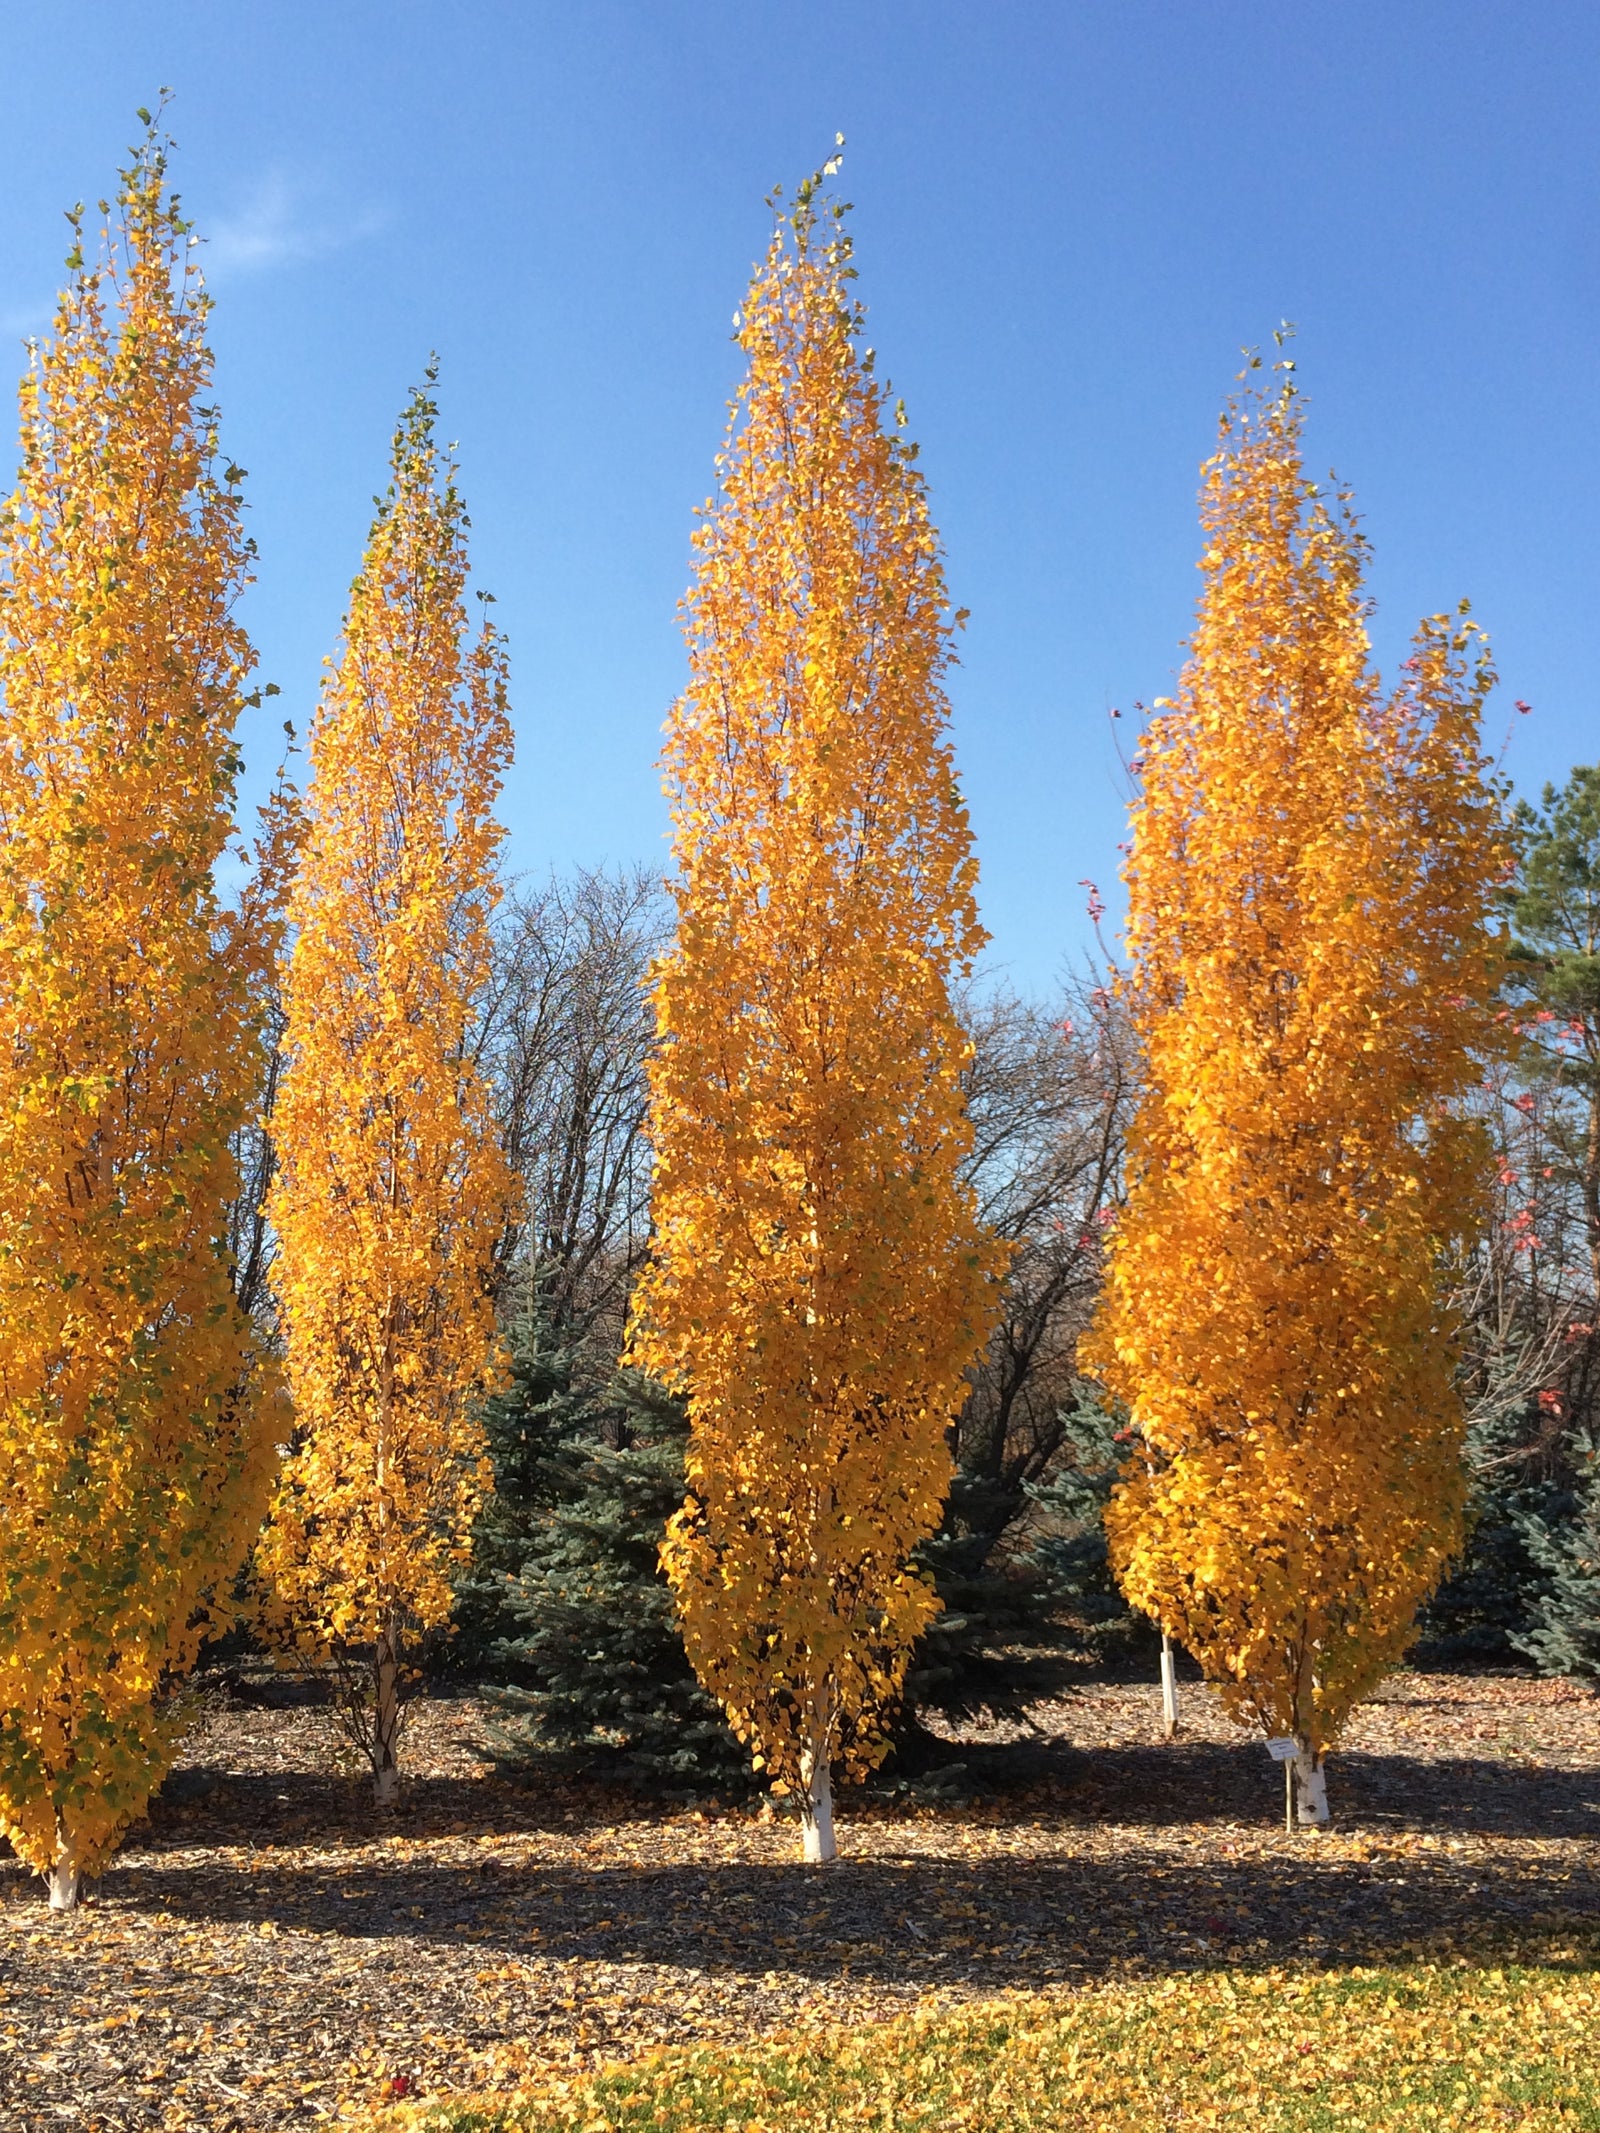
(1429,2045)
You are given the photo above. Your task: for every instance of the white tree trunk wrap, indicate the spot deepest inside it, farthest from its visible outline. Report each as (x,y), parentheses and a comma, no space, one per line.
(1169,1690)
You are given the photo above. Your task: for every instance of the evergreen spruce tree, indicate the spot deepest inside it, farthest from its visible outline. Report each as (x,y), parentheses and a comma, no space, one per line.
(1024,1577)
(1070,1551)
(525,1424)
(1566,1637)
(566,1607)
(1490,1601)
(566,1614)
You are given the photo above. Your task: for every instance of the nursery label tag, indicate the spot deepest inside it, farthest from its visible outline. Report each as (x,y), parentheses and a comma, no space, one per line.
(1282,1749)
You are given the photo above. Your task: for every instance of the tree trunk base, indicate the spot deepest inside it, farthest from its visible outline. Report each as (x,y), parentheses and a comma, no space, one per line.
(65,1884)
(1169,1691)
(1311,1791)
(817,1845)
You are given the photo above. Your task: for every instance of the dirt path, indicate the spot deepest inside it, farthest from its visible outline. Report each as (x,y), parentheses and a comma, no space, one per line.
(264,1948)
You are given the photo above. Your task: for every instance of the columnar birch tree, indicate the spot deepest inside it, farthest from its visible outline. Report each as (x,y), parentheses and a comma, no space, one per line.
(392,1191)
(1311,880)
(819,1283)
(135,1437)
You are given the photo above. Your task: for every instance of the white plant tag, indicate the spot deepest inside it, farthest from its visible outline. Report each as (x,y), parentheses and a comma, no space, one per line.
(1284,1749)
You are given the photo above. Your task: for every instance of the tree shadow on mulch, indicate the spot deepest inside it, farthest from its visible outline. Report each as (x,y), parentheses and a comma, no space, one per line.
(987,1924)
(981,1923)
(1202,1781)
(1181,1783)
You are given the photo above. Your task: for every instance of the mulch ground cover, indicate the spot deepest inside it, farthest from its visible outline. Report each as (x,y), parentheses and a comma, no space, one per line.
(267,1951)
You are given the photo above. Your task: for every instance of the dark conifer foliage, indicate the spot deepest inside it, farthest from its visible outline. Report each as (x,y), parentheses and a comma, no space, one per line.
(1022,1569)
(566,1606)
(1565,1638)
(566,1612)
(1490,1601)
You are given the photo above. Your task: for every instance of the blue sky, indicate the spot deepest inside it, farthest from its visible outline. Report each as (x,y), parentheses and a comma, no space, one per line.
(1069,220)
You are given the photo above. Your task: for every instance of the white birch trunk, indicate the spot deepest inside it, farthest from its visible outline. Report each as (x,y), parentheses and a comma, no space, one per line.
(1169,1690)
(64,1878)
(817,1844)
(1311,1790)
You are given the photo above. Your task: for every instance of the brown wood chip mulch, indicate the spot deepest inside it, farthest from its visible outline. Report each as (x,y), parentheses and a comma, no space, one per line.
(266,1952)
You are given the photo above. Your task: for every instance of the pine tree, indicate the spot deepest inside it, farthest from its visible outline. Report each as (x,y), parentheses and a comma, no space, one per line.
(393,1192)
(819,1281)
(136,1419)
(1313,966)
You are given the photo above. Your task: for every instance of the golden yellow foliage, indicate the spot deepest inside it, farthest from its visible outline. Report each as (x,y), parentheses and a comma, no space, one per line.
(392,1191)
(135,1425)
(819,1281)
(1312,966)
(1426,2046)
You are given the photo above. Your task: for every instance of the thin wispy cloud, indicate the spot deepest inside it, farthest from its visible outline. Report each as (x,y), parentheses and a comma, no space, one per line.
(279,223)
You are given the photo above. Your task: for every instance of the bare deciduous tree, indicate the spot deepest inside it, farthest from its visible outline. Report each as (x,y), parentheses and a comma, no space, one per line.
(1049,1091)
(565,1041)
(1526,1293)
